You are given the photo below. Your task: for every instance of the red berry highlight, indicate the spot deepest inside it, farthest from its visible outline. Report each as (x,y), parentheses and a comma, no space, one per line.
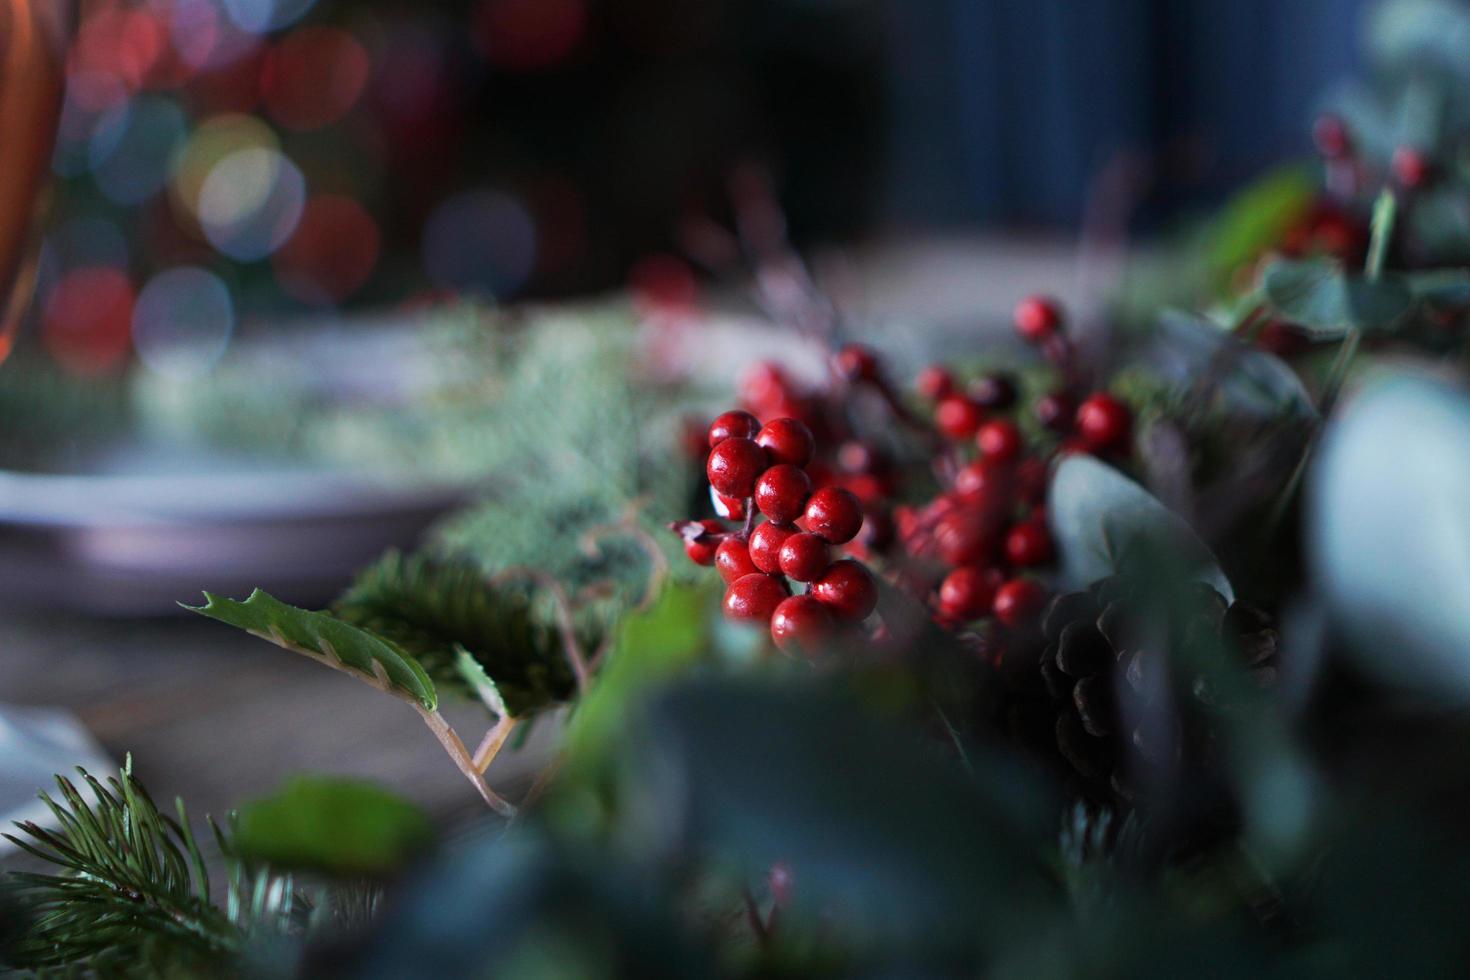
(847,590)
(1038,318)
(754,598)
(934,383)
(732,560)
(958,417)
(1029,544)
(855,362)
(1331,136)
(834,514)
(966,593)
(1000,441)
(732,425)
(804,557)
(765,545)
(701,550)
(734,466)
(1410,166)
(787,441)
(801,625)
(1103,422)
(1018,602)
(781,492)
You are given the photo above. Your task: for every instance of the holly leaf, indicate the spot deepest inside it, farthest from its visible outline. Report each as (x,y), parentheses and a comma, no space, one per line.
(437,610)
(343,827)
(1322,299)
(327,639)
(1099,517)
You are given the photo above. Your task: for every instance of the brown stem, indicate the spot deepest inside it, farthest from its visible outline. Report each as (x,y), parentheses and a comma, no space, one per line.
(493,742)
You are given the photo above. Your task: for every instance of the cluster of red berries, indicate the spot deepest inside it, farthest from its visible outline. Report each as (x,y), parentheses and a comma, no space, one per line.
(762,470)
(1409,165)
(987,528)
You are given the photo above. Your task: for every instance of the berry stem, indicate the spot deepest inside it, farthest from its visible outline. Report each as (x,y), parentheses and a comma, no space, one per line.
(1385,217)
(750,512)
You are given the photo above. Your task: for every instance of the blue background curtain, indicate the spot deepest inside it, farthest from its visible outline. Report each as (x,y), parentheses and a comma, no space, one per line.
(1002,110)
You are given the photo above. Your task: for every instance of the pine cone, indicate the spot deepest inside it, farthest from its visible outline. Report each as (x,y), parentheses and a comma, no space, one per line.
(1107,670)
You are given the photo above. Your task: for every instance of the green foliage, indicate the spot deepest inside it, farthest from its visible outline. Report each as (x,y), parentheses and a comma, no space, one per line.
(340,827)
(327,639)
(131,895)
(436,610)
(1099,518)
(1321,298)
(1255,220)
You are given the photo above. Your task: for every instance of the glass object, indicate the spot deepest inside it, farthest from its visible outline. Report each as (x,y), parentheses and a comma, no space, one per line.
(32,55)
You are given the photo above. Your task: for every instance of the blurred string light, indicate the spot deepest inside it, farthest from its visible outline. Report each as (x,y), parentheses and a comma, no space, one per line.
(525,35)
(480,242)
(182,321)
(261,16)
(251,202)
(332,252)
(133,147)
(87,321)
(313,77)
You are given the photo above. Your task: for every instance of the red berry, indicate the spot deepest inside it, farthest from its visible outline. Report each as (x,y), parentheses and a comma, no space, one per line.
(847,590)
(934,383)
(1103,422)
(999,440)
(787,441)
(834,514)
(764,384)
(734,466)
(730,508)
(967,537)
(802,625)
(958,417)
(1331,136)
(1056,411)
(856,362)
(984,482)
(765,545)
(854,456)
(1018,602)
(781,492)
(1029,544)
(732,560)
(995,392)
(1410,166)
(732,425)
(966,593)
(754,598)
(701,550)
(1037,318)
(804,557)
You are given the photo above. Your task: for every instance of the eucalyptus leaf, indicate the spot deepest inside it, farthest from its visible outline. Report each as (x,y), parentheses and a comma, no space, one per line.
(324,637)
(1321,298)
(1098,516)
(1390,532)
(1249,382)
(343,827)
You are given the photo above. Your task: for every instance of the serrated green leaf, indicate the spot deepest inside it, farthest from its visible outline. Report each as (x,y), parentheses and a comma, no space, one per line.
(332,825)
(322,635)
(436,609)
(1318,296)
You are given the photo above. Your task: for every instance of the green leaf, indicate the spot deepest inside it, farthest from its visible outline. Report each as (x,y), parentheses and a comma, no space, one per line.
(343,827)
(323,637)
(1257,218)
(1441,287)
(1318,296)
(1248,382)
(1389,535)
(1098,516)
(436,609)
(654,646)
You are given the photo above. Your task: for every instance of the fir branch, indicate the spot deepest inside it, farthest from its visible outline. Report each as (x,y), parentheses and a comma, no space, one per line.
(130,896)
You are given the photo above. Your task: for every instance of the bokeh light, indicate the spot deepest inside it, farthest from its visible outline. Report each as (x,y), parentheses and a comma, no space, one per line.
(123,42)
(524,35)
(332,252)
(481,242)
(182,322)
(251,202)
(206,37)
(133,146)
(87,320)
(262,16)
(211,142)
(313,77)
